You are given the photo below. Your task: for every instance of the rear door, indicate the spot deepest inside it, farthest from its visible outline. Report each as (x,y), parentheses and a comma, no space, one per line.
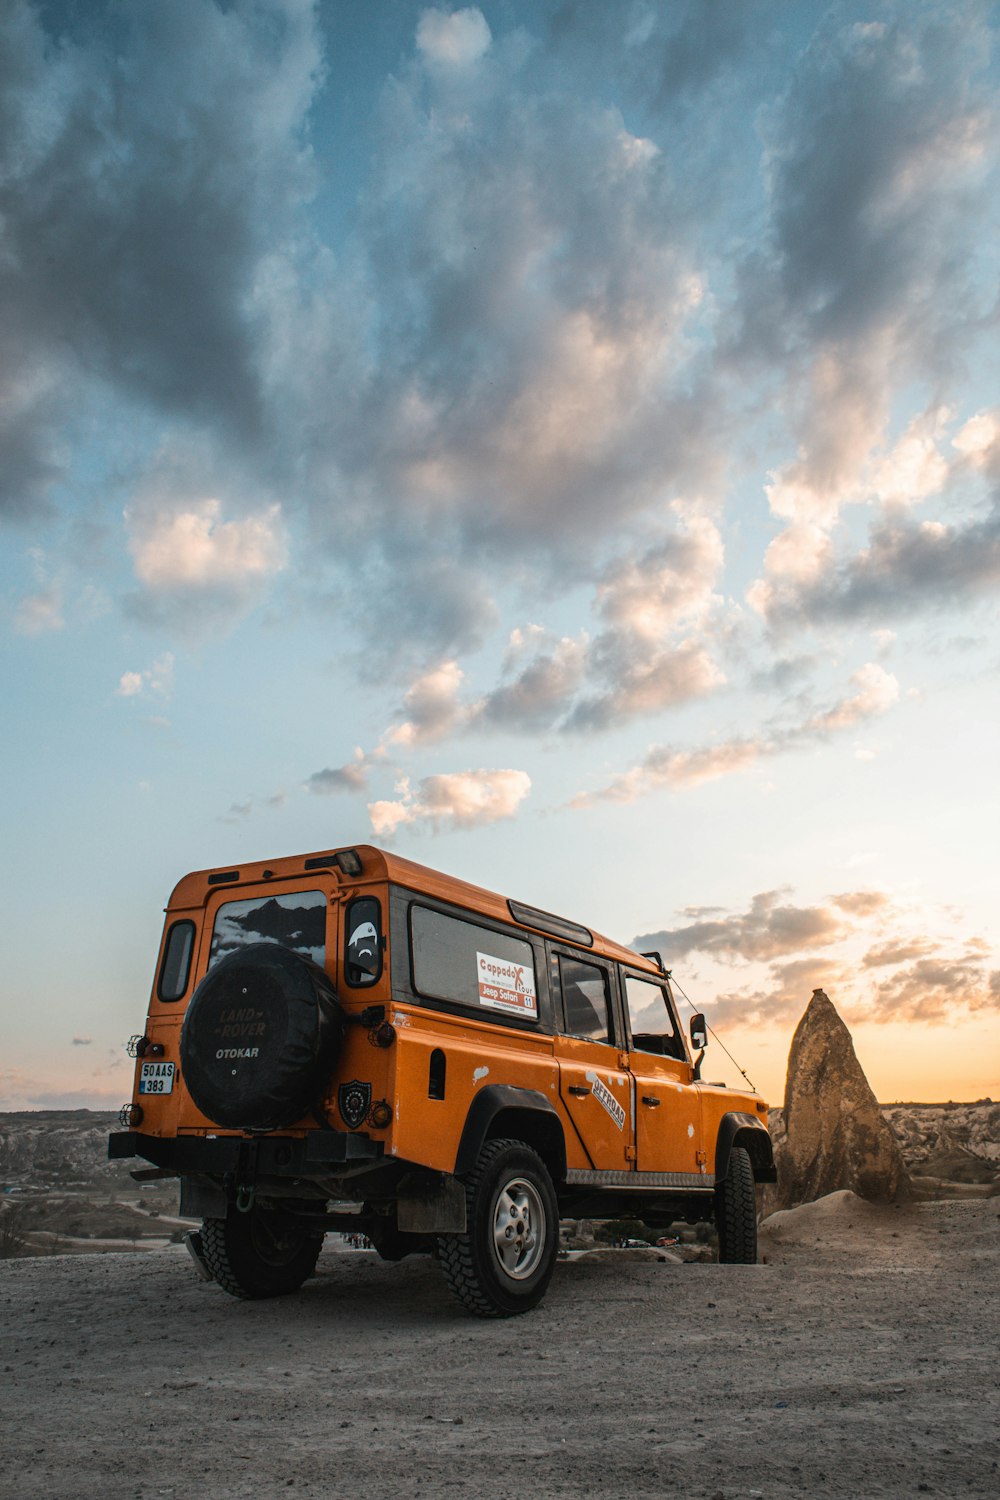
(594,1082)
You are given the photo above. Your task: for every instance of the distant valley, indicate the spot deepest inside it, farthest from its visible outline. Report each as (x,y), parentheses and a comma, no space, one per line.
(61,1194)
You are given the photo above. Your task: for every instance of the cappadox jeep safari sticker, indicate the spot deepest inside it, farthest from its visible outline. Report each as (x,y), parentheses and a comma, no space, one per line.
(504,985)
(606,1099)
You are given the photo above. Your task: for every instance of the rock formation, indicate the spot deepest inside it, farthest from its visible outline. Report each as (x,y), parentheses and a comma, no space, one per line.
(835,1133)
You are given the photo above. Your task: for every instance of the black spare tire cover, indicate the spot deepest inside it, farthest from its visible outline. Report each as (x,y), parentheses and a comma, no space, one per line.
(260,1037)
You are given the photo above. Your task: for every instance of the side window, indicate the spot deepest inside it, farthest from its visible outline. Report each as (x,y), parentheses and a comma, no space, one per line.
(176,961)
(363,941)
(296,920)
(454,959)
(650,1020)
(584,990)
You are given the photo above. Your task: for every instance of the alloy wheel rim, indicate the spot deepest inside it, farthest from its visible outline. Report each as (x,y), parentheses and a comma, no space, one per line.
(518,1228)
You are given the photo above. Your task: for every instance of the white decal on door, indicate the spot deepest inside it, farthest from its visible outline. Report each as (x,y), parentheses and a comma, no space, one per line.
(606,1099)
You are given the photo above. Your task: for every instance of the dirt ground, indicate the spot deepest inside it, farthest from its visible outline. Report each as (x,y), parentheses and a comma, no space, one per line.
(859,1360)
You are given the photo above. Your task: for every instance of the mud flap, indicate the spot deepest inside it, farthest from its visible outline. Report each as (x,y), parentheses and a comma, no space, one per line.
(430,1203)
(201,1198)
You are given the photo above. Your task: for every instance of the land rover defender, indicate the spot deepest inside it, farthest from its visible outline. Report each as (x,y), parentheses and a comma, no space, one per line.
(349,1041)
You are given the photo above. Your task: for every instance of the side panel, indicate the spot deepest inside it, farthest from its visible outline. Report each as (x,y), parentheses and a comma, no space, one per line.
(440,1061)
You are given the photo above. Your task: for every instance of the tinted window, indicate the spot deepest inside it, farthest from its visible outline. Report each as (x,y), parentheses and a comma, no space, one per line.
(296,921)
(176,961)
(585,999)
(650,1020)
(363,930)
(458,960)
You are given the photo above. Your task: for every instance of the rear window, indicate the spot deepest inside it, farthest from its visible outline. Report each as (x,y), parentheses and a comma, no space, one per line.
(296,920)
(458,960)
(176,961)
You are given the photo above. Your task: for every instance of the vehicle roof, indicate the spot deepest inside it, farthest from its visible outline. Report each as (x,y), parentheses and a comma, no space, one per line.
(380,865)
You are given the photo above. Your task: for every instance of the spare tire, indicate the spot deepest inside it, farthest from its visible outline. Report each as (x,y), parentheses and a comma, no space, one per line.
(260,1038)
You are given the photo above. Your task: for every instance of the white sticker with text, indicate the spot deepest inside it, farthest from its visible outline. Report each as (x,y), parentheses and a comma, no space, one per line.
(504,985)
(606,1099)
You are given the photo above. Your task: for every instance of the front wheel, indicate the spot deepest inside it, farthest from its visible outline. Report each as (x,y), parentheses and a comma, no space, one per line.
(503,1263)
(263,1253)
(736,1211)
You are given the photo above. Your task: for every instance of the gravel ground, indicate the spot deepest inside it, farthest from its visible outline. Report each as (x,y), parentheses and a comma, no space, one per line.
(859,1360)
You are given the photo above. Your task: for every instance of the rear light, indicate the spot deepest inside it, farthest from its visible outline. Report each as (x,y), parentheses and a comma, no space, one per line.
(130,1115)
(349,861)
(141,1046)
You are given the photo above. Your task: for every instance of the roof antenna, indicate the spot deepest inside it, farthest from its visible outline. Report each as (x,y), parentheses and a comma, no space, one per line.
(677,986)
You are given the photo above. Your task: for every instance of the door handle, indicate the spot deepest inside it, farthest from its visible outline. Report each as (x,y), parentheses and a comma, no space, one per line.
(579,1089)
(651,1100)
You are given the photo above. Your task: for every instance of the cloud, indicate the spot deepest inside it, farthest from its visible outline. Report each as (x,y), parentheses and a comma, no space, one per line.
(352,777)
(531,379)
(768,929)
(157,679)
(185,123)
(41,612)
(784,995)
(876,160)
(194,548)
(462,799)
(453,40)
(829,946)
(898,951)
(879,162)
(861,903)
(238,812)
(431,708)
(933,989)
(198,564)
(543,675)
(82,1041)
(908,566)
(875,691)
(659,615)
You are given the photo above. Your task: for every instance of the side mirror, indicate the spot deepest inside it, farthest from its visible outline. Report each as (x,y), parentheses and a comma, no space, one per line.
(699,1031)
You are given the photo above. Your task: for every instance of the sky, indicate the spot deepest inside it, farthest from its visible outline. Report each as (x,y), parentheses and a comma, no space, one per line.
(557,441)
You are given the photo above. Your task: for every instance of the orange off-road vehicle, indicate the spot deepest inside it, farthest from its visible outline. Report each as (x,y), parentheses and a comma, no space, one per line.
(350,1041)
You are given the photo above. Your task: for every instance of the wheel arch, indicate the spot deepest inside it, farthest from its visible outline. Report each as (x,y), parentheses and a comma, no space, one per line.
(501,1110)
(738,1129)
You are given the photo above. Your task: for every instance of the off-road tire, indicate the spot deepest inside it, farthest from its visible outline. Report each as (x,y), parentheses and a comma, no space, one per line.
(509,1180)
(263,1253)
(260,1038)
(736,1211)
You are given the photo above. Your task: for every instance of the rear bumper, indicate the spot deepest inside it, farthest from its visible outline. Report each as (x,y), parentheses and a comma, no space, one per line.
(313,1155)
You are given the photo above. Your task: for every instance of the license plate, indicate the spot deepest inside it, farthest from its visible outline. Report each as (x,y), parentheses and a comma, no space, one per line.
(156,1078)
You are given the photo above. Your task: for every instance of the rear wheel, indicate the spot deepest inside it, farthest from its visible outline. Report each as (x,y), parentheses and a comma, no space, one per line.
(263,1253)
(503,1263)
(736,1211)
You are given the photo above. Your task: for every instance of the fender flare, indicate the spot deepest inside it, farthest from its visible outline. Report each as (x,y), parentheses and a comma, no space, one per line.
(738,1129)
(533,1118)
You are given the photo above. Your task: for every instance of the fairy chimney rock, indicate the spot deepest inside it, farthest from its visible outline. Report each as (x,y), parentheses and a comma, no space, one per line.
(836,1136)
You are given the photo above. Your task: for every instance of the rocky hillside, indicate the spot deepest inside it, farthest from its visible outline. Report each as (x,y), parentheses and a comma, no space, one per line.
(949,1142)
(942,1144)
(67,1149)
(51,1148)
